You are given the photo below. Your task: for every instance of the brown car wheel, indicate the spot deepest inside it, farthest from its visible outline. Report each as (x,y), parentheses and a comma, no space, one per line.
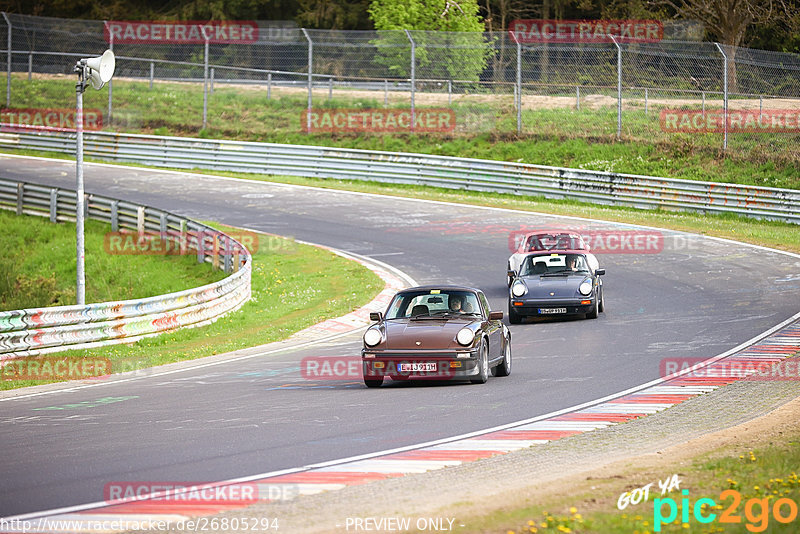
(483,364)
(373,382)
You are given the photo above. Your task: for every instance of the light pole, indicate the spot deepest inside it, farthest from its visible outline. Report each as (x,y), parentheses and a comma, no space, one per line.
(97,71)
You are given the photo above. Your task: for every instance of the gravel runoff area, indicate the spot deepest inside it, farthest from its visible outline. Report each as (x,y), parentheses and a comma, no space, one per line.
(493,483)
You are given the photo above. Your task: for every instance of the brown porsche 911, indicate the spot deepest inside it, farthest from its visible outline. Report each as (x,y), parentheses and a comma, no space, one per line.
(436,333)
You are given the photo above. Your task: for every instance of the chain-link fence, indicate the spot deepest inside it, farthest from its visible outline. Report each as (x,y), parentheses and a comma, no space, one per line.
(697,93)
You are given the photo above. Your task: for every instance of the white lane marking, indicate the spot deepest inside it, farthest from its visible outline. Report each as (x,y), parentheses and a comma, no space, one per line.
(632,407)
(267,490)
(503,445)
(556,426)
(680,390)
(390,466)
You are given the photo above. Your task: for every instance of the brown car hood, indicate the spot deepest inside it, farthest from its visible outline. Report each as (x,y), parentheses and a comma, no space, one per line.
(424,334)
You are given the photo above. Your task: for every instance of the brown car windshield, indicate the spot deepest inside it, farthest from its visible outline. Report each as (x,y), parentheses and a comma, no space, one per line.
(433,303)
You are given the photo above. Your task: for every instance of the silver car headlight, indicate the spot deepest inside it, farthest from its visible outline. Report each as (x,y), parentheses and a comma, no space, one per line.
(465,336)
(518,289)
(372,337)
(586,287)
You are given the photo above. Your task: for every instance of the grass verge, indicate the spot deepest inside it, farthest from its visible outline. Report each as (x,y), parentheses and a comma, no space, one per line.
(38,268)
(294,286)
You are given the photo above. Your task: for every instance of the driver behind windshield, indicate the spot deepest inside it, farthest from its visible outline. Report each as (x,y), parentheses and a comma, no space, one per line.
(575,263)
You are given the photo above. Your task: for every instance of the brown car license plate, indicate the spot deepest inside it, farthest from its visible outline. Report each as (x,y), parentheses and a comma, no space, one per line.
(416,367)
(544,311)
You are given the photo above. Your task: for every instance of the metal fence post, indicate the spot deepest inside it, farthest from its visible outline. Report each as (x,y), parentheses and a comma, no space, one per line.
(724,97)
(310,78)
(578,97)
(20,197)
(152,73)
(54,205)
(413,77)
(140,214)
(269,85)
(201,246)
(211,83)
(330,88)
(115,215)
(8,62)
(519,85)
(619,86)
(205,81)
(449,92)
(183,237)
(227,248)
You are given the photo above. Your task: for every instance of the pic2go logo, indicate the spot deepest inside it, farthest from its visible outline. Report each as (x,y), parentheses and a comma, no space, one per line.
(756,511)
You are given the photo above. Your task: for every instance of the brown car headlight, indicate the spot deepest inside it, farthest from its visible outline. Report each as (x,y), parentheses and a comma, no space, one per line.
(372,337)
(465,336)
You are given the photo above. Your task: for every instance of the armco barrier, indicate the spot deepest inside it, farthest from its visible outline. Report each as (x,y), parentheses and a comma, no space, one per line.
(36,331)
(440,171)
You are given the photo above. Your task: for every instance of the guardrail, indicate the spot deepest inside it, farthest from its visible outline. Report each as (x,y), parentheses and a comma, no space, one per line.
(441,171)
(37,331)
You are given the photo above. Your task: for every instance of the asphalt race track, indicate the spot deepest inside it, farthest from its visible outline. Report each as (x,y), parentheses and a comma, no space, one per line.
(695,298)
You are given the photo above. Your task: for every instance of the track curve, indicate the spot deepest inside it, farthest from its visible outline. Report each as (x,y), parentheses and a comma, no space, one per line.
(694,300)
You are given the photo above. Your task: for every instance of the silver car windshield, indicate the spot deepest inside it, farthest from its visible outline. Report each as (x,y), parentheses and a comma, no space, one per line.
(554,263)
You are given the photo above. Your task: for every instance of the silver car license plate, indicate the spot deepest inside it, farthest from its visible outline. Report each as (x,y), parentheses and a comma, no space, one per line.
(547,311)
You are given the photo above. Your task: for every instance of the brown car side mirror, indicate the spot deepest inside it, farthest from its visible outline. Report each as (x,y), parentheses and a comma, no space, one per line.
(496,316)
(375,316)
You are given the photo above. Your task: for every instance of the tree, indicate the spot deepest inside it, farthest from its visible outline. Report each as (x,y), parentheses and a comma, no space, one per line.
(728,20)
(460,54)
(334,14)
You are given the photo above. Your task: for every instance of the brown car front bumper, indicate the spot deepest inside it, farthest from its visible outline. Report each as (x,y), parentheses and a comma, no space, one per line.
(397,365)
